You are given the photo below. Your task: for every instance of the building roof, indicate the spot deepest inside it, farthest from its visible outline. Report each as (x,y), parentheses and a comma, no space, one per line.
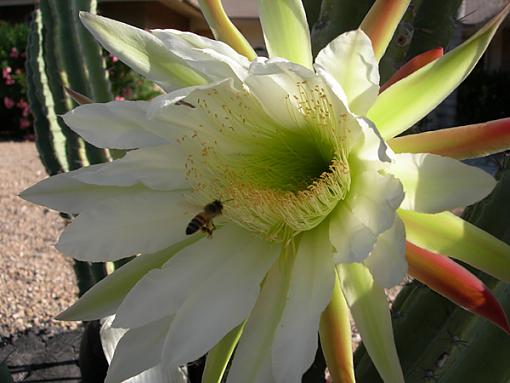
(241,8)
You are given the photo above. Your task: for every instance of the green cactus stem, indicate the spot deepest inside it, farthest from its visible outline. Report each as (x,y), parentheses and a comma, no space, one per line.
(61,54)
(50,138)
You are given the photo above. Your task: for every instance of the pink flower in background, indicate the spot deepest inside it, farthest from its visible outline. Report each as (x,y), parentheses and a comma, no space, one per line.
(22,104)
(119,98)
(114,58)
(8,102)
(24,123)
(14,53)
(6,73)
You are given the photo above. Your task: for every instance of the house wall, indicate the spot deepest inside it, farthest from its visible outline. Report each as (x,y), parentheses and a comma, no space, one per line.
(144,14)
(158,14)
(250,28)
(152,14)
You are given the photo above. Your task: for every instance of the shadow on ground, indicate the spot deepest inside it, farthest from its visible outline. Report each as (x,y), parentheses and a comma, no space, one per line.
(39,358)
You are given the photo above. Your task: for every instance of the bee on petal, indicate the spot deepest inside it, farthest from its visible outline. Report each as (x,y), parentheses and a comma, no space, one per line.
(203,220)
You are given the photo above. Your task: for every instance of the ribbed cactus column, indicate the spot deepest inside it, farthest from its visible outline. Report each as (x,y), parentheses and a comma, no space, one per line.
(61,53)
(50,140)
(335,17)
(74,146)
(72,60)
(91,52)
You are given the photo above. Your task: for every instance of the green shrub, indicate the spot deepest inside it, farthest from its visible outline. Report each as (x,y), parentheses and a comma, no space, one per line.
(129,85)
(14,110)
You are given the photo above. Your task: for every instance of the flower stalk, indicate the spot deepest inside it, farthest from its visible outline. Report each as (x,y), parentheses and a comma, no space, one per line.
(335,336)
(223,28)
(453,281)
(381,21)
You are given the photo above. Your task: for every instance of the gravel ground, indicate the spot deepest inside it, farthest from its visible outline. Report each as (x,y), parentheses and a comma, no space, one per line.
(36,281)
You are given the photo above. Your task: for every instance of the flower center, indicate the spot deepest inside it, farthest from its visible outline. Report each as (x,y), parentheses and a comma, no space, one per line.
(278,179)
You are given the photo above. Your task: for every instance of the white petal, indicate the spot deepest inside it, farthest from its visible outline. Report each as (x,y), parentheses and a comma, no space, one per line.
(280,338)
(366,146)
(311,281)
(333,84)
(279,84)
(159,168)
(370,311)
(253,358)
(351,61)
(174,115)
(286,30)
(64,193)
(368,211)
(295,97)
(143,52)
(105,296)
(196,272)
(126,225)
(207,111)
(159,374)
(118,125)
(211,111)
(368,149)
(111,336)
(433,183)
(387,261)
(138,350)
(214,60)
(176,97)
(221,301)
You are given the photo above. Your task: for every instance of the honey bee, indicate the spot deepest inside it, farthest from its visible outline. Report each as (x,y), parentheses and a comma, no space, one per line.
(203,220)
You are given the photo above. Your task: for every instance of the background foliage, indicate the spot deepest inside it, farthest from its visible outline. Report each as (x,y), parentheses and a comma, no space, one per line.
(17,120)
(14,110)
(129,85)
